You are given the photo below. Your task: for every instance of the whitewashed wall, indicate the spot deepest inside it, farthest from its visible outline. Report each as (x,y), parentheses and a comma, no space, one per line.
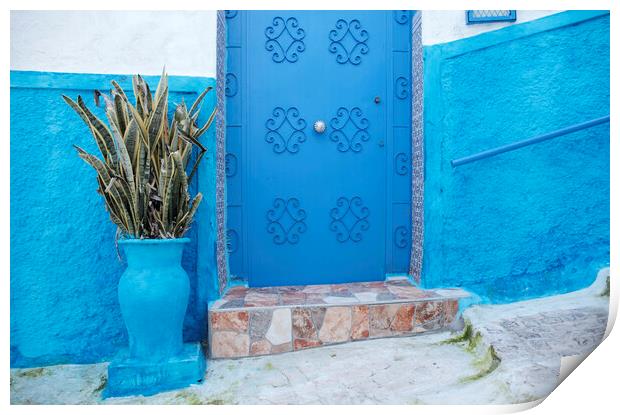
(128,42)
(114,42)
(441,26)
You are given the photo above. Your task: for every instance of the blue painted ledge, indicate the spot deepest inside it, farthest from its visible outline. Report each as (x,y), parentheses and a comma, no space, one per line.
(80,81)
(509,33)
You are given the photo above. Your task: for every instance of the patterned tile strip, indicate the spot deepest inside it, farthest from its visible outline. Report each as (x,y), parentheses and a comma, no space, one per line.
(220,163)
(417,145)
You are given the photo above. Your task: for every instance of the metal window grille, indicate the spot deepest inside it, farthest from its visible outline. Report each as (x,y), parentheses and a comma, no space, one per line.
(486,16)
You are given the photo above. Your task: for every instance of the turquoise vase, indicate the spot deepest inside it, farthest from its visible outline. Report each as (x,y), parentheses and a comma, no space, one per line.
(153,293)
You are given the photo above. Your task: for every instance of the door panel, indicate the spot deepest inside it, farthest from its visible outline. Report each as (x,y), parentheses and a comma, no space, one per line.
(317,206)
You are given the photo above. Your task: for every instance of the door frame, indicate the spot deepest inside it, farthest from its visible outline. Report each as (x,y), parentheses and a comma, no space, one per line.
(228,86)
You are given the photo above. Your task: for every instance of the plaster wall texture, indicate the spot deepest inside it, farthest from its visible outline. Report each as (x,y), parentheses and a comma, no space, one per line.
(440,26)
(535,221)
(64,265)
(114,42)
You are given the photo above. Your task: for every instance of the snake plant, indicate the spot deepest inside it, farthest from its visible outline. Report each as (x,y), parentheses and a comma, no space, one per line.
(143,169)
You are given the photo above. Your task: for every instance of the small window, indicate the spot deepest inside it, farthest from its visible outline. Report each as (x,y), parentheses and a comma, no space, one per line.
(487,16)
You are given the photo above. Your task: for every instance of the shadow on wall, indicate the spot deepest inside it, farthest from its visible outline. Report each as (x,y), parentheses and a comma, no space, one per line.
(535,221)
(64,265)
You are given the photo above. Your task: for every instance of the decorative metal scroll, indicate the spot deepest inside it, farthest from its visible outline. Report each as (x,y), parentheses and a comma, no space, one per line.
(232,241)
(401,236)
(401,16)
(349,219)
(348,41)
(286,221)
(285,40)
(231,164)
(349,129)
(285,130)
(231,85)
(401,87)
(401,165)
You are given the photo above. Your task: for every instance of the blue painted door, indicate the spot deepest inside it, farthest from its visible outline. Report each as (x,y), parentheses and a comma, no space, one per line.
(316,146)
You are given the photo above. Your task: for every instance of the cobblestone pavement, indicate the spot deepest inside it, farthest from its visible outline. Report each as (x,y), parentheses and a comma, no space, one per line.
(531,337)
(548,335)
(528,339)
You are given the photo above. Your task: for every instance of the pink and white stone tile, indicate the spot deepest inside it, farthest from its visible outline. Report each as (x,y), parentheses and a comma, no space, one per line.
(270,320)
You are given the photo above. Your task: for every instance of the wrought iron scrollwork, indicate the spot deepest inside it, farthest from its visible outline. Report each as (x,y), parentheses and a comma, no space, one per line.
(401,16)
(230,88)
(348,41)
(401,87)
(401,236)
(285,40)
(349,219)
(230,164)
(285,130)
(232,241)
(286,221)
(400,164)
(350,129)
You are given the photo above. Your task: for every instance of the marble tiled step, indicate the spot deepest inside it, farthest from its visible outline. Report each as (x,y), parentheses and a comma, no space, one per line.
(261,321)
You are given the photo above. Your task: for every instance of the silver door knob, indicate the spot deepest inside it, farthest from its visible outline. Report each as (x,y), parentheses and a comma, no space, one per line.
(319,126)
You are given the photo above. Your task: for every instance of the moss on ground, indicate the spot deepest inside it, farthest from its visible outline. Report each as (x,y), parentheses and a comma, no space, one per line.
(474,341)
(469,336)
(217,401)
(103,382)
(464,336)
(486,364)
(189,398)
(34,373)
(225,397)
(605,292)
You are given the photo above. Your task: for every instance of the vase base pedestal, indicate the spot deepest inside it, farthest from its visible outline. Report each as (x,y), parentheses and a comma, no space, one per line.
(134,377)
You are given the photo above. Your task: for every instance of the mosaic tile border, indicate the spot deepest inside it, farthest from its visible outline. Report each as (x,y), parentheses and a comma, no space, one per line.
(417,147)
(220,163)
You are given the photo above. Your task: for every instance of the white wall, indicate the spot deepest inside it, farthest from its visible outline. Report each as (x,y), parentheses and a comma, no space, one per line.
(114,42)
(128,42)
(440,26)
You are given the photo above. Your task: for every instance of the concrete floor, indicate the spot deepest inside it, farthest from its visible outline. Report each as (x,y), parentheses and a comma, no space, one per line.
(400,370)
(515,358)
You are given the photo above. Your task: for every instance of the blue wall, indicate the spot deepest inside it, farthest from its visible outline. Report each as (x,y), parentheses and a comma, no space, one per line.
(534,221)
(64,267)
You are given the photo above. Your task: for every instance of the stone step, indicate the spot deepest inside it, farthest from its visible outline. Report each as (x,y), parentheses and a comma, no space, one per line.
(261,321)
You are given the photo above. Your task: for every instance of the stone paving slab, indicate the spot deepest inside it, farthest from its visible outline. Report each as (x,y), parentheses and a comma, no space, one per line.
(546,328)
(410,370)
(531,337)
(394,290)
